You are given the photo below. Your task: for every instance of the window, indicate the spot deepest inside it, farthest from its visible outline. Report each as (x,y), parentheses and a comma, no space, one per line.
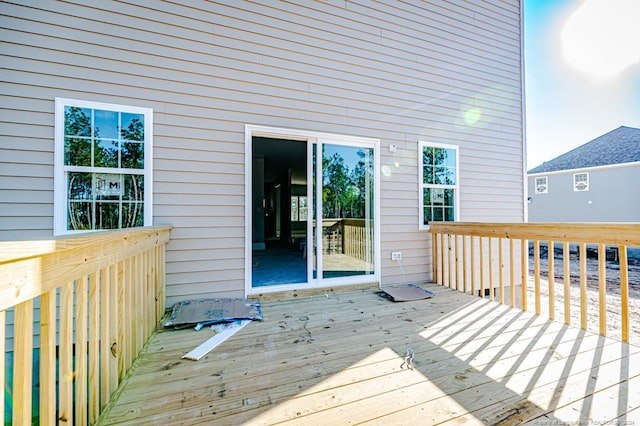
(542,186)
(299,209)
(581,181)
(103,167)
(438,167)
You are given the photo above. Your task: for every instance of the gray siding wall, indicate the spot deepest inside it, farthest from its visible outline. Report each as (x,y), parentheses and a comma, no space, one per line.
(397,71)
(612,197)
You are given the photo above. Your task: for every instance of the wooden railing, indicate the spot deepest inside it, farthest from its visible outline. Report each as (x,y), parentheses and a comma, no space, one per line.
(89,302)
(353,237)
(492,259)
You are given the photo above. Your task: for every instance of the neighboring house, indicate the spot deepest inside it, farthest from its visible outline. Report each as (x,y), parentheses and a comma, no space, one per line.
(217,117)
(595,182)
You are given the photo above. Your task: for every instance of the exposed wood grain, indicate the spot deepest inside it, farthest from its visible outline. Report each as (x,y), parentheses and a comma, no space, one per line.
(624,293)
(66,258)
(47,358)
(602,288)
(512,273)
(22,371)
(93,398)
(566,259)
(551,279)
(536,274)
(105,336)
(491,263)
(339,359)
(473,264)
(65,378)
(524,263)
(107,306)
(80,373)
(501,270)
(607,233)
(583,285)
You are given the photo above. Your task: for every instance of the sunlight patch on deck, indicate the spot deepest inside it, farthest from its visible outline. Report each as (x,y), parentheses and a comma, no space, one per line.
(373,387)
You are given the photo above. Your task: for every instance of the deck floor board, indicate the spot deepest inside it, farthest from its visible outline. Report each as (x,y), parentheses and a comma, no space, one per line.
(338,358)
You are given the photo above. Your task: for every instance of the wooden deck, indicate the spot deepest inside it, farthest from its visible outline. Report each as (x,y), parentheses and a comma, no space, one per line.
(338,359)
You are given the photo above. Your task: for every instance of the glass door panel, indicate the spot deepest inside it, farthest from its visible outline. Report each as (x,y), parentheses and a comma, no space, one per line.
(346,240)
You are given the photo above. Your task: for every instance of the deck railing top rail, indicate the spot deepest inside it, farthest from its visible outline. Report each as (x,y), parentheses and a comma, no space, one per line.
(608,233)
(31,268)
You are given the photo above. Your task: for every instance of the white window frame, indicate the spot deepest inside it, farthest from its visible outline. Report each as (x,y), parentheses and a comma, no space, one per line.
(61,170)
(537,185)
(421,185)
(576,183)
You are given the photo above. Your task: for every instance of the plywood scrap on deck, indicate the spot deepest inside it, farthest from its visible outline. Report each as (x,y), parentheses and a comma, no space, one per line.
(203,312)
(406,293)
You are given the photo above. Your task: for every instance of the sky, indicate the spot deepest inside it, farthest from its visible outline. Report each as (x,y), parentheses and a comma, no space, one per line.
(582,72)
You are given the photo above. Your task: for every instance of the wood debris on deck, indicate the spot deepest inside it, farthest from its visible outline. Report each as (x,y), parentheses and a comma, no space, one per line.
(342,359)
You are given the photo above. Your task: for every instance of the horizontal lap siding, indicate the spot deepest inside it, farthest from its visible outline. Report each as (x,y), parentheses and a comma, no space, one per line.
(396,71)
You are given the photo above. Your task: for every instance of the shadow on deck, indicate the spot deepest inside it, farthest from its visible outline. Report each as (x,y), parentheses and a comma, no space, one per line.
(338,359)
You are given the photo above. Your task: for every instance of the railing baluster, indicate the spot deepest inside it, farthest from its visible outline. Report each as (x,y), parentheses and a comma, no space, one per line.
(434,258)
(501,268)
(602,287)
(22,363)
(66,375)
(512,273)
(442,258)
(47,358)
(536,274)
(450,262)
(80,399)
(122,342)
(482,282)
(464,263)
(456,261)
(491,262)
(624,292)
(105,338)
(583,285)
(473,265)
(94,348)
(566,263)
(551,278)
(114,339)
(524,267)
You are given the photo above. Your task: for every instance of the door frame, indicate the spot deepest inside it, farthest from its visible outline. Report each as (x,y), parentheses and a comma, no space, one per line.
(311,137)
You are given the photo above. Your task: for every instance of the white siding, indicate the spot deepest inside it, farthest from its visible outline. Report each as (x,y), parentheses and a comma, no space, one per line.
(396,71)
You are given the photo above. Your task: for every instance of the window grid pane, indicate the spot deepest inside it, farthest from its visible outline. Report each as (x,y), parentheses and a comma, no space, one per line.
(104,139)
